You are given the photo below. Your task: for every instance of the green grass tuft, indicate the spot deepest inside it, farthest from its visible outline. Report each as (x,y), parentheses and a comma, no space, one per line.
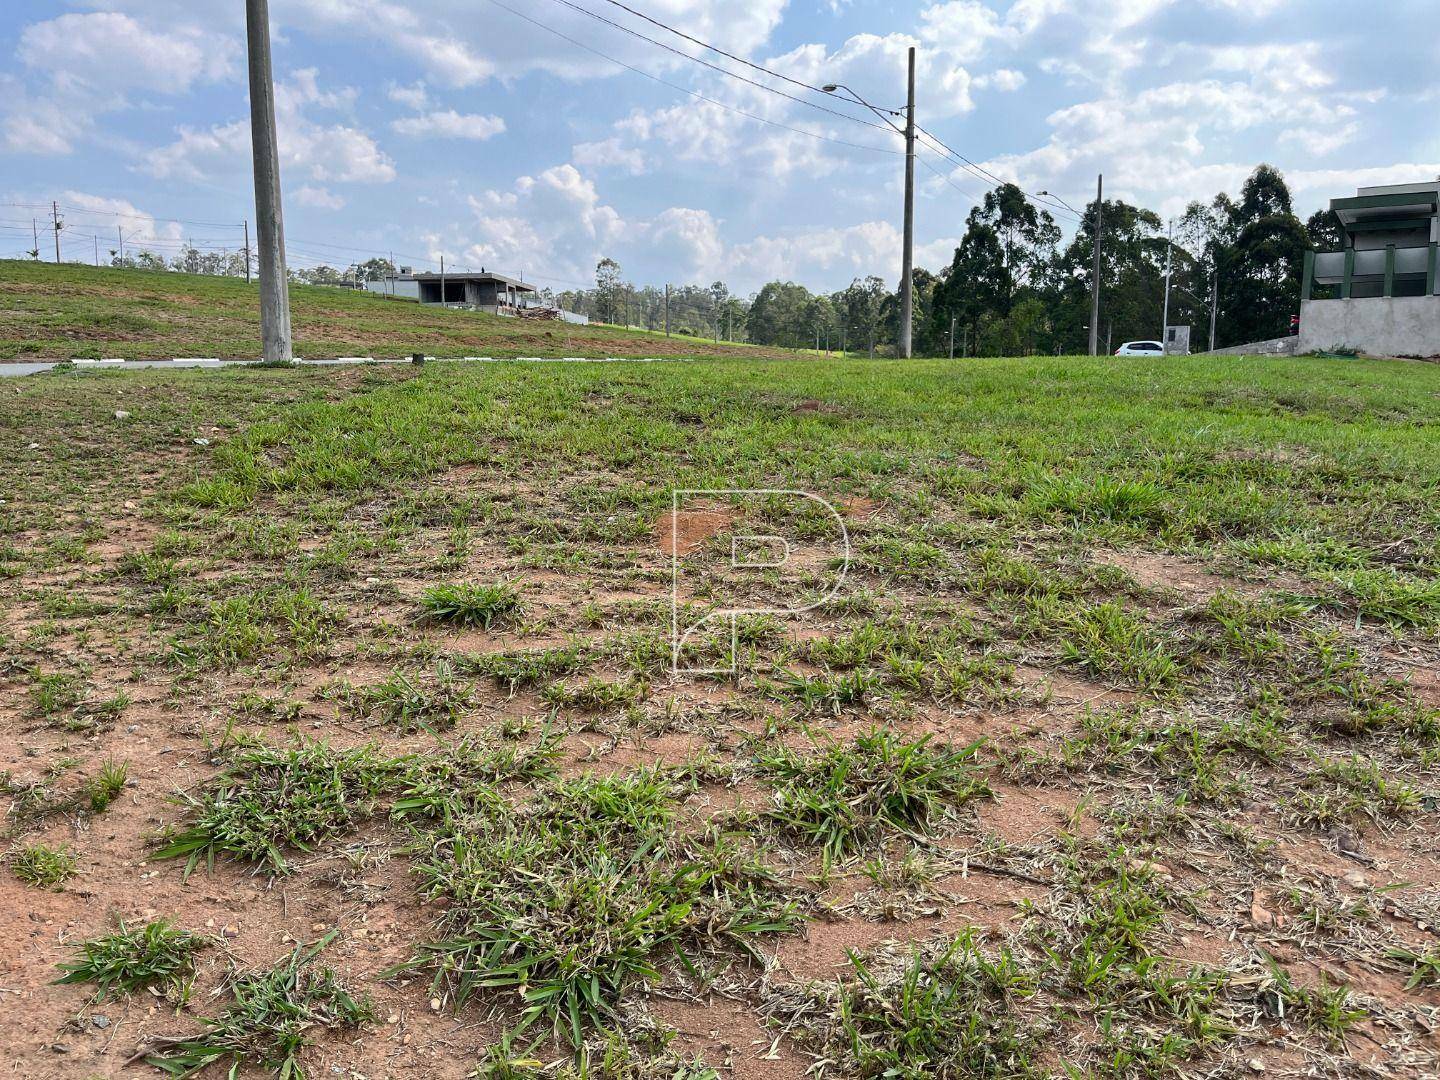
(158,954)
(469,604)
(44,865)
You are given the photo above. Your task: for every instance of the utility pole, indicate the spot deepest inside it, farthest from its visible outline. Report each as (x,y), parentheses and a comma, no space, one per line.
(1095,280)
(1165,316)
(277,344)
(1214,304)
(952,337)
(442,280)
(35,235)
(97,249)
(55,217)
(120,235)
(667,309)
(908,256)
(247,251)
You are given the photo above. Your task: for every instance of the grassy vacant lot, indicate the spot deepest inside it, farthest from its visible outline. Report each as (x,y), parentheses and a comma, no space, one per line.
(341,730)
(61,312)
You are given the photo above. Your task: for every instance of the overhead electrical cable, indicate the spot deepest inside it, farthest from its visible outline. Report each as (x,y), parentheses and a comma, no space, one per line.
(686,90)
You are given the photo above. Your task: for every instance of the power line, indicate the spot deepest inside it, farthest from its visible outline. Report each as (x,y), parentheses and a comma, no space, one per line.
(937,144)
(714,49)
(969,195)
(129,217)
(686,90)
(987,176)
(715,67)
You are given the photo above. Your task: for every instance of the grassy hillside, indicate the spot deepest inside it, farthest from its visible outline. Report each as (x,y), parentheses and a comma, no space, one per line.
(57,312)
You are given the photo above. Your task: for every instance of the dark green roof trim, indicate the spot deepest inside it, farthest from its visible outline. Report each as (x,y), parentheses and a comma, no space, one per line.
(1379,202)
(1388,224)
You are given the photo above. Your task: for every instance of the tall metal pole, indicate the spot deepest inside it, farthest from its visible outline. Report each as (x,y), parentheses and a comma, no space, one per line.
(1214,304)
(1165,316)
(907,300)
(276,342)
(1095,273)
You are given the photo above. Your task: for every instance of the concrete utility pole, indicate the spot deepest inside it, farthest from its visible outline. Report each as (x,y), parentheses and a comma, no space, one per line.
(907,299)
(247,251)
(1214,304)
(120,236)
(442,280)
(1165,316)
(277,345)
(952,337)
(1095,280)
(55,217)
(667,310)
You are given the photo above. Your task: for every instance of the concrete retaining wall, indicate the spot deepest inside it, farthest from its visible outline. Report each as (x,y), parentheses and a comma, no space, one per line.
(1375,326)
(1280,346)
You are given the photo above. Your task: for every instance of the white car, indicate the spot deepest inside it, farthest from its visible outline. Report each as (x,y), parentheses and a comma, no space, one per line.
(1141,348)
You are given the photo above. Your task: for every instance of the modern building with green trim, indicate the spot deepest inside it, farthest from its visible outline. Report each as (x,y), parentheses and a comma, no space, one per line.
(1379,295)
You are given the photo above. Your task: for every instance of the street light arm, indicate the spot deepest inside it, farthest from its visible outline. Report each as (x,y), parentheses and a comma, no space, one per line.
(883,114)
(1061,201)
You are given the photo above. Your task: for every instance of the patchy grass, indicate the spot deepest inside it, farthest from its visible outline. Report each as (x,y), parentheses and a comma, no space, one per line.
(844,797)
(269,1018)
(1127,657)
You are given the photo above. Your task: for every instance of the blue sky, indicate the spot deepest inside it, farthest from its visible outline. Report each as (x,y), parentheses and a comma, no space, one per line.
(456,126)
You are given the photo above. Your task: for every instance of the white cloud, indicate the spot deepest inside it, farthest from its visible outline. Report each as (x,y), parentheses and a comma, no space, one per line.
(108,53)
(871,247)
(80,66)
(1027,16)
(962,29)
(326,152)
(461,45)
(610,153)
(1005,80)
(449,125)
(555,217)
(101,213)
(1321,141)
(414,97)
(41,127)
(319,197)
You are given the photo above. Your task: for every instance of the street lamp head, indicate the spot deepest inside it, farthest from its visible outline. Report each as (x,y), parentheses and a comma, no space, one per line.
(829,88)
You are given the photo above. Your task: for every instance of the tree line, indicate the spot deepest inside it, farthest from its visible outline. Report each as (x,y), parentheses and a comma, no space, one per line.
(1015,288)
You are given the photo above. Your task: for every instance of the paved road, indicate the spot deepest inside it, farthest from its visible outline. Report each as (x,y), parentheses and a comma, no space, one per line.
(35,367)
